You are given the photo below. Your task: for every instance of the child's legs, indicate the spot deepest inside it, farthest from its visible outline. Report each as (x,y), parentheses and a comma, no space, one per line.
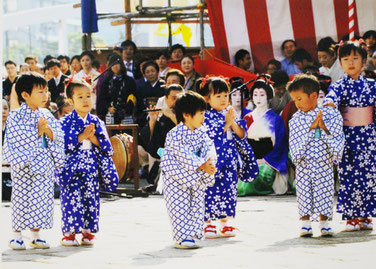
(89,187)
(323,190)
(72,207)
(21,191)
(304,191)
(197,211)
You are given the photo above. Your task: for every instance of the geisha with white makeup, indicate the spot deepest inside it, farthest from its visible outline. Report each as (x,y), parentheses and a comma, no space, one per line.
(236,99)
(266,135)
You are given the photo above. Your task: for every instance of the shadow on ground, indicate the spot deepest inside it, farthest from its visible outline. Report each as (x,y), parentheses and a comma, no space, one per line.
(169,252)
(338,238)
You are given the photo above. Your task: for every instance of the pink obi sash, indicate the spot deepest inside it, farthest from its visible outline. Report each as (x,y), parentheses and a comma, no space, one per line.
(356,116)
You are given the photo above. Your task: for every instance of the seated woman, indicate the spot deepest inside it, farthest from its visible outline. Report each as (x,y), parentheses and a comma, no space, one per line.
(188,68)
(266,135)
(118,93)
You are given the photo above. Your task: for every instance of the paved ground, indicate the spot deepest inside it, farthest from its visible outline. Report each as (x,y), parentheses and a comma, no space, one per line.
(135,233)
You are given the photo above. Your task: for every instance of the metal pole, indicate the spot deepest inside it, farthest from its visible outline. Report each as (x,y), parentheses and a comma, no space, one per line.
(202,37)
(169,27)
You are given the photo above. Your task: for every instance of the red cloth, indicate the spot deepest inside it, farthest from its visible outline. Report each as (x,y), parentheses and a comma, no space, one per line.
(286,115)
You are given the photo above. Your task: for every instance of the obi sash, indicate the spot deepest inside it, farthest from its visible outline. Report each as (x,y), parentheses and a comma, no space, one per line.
(356,116)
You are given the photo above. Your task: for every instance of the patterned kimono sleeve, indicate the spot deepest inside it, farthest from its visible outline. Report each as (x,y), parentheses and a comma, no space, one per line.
(242,124)
(70,136)
(336,139)
(103,139)
(20,143)
(209,180)
(180,165)
(56,146)
(334,95)
(300,136)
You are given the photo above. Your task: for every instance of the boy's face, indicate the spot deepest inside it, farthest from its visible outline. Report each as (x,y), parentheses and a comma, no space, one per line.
(54,71)
(303,101)
(37,98)
(219,101)
(194,122)
(171,98)
(81,100)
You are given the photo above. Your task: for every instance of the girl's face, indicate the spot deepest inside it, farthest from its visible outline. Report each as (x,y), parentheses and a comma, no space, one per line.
(151,74)
(5,111)
(187,65)
(116,69)
(85,62)
(321,97)
(76,65)
(260,98)
(81,100)
(218,101)
(236,99)
(326,59)
(352,64)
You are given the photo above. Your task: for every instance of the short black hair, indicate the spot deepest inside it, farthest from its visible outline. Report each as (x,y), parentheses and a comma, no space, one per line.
(189,57)
(52,63)
(31,57)
(128,43)
(287,40)
(10,62)
(178,73)
(275,62)
(63,56)
(177,46)
(69,90)
(48,58)
(327,44)
(27,81)
(240,54)
(173,87)
(300,55)
(279,78)
(236,82)
(189,103)
(150,63)
(87,53)
(305,82)
(163,53)
(369,33)
(349,46)
(77,57)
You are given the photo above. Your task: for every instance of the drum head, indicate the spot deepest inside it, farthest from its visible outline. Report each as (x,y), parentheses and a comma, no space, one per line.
(120,156)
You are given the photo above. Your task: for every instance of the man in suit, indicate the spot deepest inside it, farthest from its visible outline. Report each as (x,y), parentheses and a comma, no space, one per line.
(56,83)
(129,49)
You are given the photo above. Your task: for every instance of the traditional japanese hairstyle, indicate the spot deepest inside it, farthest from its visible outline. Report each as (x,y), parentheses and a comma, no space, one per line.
(71,83)
(236,82)
(263,81)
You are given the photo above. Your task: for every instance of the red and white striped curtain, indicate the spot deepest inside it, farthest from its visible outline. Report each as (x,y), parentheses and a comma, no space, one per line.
(260,26)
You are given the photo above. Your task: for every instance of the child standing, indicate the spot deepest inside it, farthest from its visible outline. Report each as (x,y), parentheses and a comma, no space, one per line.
(355,97)
(33,146)
(235,157)
(88,164)
(188,167)
(316,141)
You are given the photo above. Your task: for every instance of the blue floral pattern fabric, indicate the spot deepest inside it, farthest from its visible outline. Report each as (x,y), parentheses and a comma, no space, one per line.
(235,161)
(357,169)
(33,167)
(85,170)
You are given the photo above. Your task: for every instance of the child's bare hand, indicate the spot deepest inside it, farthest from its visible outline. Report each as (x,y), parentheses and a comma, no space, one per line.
(330,104)
(89,131)
(315,123)
(42,126)
(208,167)
(230,116)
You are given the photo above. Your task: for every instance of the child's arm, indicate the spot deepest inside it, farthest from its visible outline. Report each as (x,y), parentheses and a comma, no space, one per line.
(300,136)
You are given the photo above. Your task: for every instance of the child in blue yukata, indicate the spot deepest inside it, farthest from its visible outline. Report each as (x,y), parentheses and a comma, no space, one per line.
(316,142)
(235,157)
(188,167)
(88,164)
(34,147)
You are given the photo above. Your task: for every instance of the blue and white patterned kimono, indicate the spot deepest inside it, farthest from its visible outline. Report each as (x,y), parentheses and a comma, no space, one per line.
(87,166)
(235,160)
(32,167)
(314,159)
(184,185)
(357,169)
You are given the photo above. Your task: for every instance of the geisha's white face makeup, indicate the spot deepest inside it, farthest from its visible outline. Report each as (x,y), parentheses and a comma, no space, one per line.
(235,99)
(260,98)
(321,98)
